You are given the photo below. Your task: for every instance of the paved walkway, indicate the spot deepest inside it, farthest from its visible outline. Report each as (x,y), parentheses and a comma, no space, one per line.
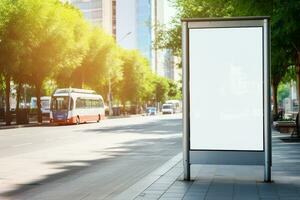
(212,182)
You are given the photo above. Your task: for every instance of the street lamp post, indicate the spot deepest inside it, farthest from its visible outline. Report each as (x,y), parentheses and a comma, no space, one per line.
(126,35)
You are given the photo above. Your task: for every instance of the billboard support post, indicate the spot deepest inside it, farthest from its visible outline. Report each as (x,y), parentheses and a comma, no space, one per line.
(186,134)
(239,48)
(267,111)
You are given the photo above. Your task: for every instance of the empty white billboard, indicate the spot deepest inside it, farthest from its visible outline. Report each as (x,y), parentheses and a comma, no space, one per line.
(226,88)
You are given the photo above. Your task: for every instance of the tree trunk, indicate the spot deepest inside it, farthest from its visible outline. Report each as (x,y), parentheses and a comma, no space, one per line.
(7,102)
(18,97)
(109,97)
(275,101)
(124,108)
(38,102)
(298,86)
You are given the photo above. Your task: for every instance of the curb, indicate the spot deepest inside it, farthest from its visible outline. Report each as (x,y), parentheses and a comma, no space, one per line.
(133,191)
(23,125)
(3,127)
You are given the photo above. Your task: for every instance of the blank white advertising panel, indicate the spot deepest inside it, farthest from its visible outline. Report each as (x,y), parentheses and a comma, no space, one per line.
(226,88)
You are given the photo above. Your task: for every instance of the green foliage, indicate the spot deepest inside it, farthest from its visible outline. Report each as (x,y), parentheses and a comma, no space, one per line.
(7,50)
(136,85)
(170,37)
(49,85)
(77,46)
(285,21)
(290,75)
(161,89)
(174,90)
(283,92)
(2,84)
(94,65)
(285,29)
(48,44)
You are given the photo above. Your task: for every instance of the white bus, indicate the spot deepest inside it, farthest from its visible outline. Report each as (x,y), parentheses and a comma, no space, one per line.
(75,106)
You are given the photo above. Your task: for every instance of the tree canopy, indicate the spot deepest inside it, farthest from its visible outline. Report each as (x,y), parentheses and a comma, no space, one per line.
(285,28)
(48,43)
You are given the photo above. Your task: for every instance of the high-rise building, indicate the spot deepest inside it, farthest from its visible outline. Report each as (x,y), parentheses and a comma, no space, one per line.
(114,17)
(135,20)
(133,25)
(163,60)
(98,12)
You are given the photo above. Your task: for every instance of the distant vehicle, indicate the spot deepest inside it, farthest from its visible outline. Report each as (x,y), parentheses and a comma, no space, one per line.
(75,106)
(45,104)
(167,109)
(151,111)
(176,105)
(33,103)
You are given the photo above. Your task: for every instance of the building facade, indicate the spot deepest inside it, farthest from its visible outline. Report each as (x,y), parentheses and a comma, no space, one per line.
(131,22)
(163,61)
(98,12)
(133,25)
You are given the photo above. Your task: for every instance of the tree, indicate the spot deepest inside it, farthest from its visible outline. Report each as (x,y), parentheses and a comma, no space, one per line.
(7,58)
(135,85)
(287,31)
(174,90)
(170,37)
(113,78)
(278,70)
(50,36)
(285,28)
(161,89)
(94,65)
(77,49)
(2,91)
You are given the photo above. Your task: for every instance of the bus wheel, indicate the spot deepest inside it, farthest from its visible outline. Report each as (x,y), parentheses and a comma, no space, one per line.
(77,120)
(99,118)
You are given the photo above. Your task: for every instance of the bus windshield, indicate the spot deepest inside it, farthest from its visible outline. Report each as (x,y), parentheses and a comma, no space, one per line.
(45,103)
(60,103)
(166,106)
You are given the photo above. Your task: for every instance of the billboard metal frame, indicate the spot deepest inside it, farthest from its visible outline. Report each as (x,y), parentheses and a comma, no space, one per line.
(230,157)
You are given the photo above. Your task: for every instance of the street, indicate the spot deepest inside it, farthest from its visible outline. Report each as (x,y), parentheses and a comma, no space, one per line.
(87,161)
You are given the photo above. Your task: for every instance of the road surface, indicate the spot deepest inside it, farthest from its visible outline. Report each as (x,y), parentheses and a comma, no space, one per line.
(85,162)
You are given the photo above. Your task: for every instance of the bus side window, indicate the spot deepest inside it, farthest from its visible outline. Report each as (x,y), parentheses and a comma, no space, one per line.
(85,103)
(79,103)
(90,103)
(101,105)
(95,103)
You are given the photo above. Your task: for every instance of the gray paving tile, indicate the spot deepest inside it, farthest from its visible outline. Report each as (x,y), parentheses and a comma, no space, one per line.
(193,198)
(237,182)
(218,198)
(246,198)
(172,195)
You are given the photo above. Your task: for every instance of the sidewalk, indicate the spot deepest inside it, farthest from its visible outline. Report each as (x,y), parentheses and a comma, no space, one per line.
(211,182)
